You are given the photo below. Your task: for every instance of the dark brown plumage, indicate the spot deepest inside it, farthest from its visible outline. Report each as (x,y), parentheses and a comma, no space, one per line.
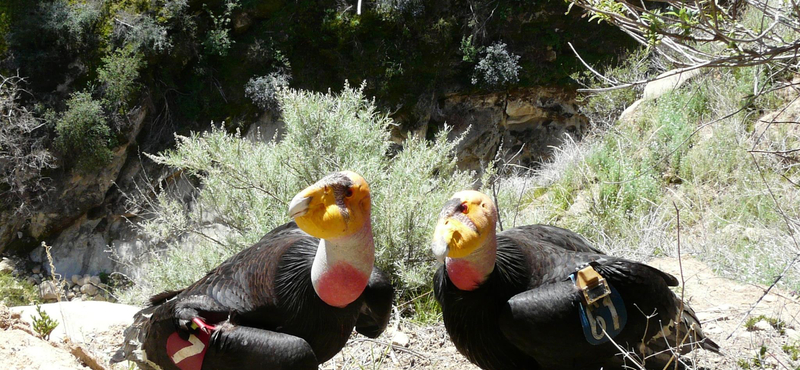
(524,314)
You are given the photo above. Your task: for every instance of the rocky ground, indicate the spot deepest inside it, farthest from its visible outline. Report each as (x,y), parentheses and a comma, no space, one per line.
(723,306)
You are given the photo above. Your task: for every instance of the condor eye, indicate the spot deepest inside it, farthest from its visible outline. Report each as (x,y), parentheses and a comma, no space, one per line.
(348,193)
(463,208)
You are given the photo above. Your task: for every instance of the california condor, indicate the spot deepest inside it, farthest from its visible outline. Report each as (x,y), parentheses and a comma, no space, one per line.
(541,297)
(289,301)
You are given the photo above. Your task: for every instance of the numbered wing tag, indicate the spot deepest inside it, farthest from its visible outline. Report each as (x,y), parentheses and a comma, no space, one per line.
(188,354)
(604,319)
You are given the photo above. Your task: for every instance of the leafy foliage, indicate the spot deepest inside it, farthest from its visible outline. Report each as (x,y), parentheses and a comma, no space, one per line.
(218,40)
(402,49)
(44,324)
(497,67)
(469,50)
(72,20)
(83,132)
(118,76)
(246,185)
(16,292)
(264,90)
(695,34)
(149,31)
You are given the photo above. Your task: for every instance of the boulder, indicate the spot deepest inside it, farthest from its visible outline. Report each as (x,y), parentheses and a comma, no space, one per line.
(89,289)
(84,280)
(6,266)
(49,291)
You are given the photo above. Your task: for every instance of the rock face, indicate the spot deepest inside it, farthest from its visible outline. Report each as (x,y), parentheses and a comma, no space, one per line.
(77,217)
(523,124)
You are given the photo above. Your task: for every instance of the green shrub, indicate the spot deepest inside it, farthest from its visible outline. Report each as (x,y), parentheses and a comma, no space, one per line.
(82,132)
(218,40)
(469,50)
(118,76)
(73,21)
(16,292)
(247,185)
(44,324)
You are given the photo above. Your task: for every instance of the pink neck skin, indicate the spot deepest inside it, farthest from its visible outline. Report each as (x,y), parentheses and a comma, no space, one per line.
(468,273)
(342,267)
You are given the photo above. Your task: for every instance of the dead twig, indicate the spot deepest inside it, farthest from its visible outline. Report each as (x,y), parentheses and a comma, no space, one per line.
(393,346)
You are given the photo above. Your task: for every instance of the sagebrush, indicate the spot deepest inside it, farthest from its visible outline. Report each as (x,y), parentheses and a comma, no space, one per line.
(247,185)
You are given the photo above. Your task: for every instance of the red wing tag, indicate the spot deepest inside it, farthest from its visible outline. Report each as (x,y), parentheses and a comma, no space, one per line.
(188,354)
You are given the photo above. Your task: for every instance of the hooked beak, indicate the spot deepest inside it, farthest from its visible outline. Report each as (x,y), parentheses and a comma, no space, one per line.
(440,249)
(299,205)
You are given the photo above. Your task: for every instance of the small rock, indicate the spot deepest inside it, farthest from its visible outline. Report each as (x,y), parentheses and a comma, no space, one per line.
(75,278)
(6,266)
(762,325)
(30,280)
(70,295)
(48,291)
(37,279)
(37,269)
(793,335)
(769,298)
(76,288)
(95,280)
(89,289)
(84,280)
(399,338)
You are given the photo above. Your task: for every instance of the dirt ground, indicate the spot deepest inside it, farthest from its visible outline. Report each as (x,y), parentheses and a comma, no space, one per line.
(721,304)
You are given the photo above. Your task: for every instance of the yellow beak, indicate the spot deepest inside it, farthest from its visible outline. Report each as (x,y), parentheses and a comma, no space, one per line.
(453,239)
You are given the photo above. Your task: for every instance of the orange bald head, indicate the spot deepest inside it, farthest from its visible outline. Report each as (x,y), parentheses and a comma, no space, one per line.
(465,223)
(336,206)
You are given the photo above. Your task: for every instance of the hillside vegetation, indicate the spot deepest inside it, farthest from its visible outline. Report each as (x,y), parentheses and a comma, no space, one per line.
(707,162)
(688,154)
(92,83)
(700,157)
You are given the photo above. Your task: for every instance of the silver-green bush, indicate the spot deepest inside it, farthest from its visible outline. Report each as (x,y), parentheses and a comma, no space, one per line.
(247,185)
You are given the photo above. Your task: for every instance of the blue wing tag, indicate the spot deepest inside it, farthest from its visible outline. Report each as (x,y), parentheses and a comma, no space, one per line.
(607,314)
